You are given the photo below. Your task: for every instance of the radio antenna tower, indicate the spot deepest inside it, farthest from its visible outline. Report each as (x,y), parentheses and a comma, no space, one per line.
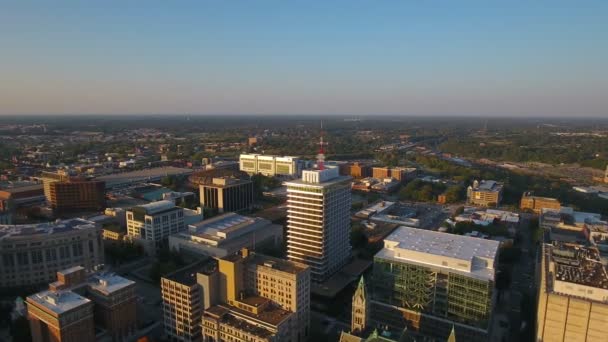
(321,155)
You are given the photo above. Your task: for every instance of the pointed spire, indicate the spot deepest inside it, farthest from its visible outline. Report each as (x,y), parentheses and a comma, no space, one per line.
(361,287)
(452,337)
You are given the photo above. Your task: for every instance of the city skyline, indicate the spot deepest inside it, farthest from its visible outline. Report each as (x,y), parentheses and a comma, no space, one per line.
(350,58)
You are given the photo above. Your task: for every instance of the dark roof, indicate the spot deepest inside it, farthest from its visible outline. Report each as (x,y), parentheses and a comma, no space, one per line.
(206,177)
(187,275)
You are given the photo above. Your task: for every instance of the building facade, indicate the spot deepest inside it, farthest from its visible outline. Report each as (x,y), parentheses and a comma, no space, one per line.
(32,254)
(485,193)
(76,195)
(359,170)
(429,282)
(241,297)
(60,316)
(536,203)
(227,234)
(573,295)
(269,165)
(226,194)
(360,309)
(318,221)
(151,224)
(77,302)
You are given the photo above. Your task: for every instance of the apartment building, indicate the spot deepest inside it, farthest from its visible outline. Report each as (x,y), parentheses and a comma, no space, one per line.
(572,295)
(485,193)
(431,282)
(318,221)
(33,253)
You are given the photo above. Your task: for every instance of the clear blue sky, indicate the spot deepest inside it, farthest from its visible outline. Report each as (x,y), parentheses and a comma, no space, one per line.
(484,58)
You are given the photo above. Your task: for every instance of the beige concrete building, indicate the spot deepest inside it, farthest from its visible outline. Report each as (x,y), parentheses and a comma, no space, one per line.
(573,295)
(485,193)
(32,254)
(536,203)
(241,297)
(151,224)
(269,165)
(318,221)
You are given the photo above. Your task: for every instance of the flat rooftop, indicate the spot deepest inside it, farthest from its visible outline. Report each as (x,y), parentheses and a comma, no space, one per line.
(157,207)
(58,302)
(332,181)
(579,265)
(187,275)
(108,283)
(277,264)
(223,223)
(142,175)
(58,227)
(488,185)
(467,255)
(235,317)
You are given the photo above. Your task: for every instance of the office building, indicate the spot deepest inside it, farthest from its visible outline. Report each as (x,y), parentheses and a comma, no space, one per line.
(573,295)
(360,170)
(269,165)
(13,198)
(126,179)
(403,174)
(33,253)
(226,194)
(568,225)
(115,301)
(57,316)
(76,194)
(381,172)
(240,297)
(151,224)
(186,294)
(77,302)
(227,234)
(486,193)
(49,178)
(536,203)
(318,221)
(430,282)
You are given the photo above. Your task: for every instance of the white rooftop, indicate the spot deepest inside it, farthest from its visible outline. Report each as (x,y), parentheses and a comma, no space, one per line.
(470,256)
(59,302)
(109,282)
(157,206)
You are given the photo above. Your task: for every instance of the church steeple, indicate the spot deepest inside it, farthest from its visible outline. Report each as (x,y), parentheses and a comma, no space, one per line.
(360,311)
(452,337)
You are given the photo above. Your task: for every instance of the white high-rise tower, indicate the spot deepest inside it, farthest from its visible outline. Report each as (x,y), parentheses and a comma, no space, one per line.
(318,221)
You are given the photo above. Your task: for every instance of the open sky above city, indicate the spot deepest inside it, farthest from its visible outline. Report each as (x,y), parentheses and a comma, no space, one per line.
(480,58)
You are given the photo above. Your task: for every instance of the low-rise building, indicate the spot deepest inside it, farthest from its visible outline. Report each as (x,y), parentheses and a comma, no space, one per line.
(536,203)
(32,254)
(227,234)
(485,193)
(269,165)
